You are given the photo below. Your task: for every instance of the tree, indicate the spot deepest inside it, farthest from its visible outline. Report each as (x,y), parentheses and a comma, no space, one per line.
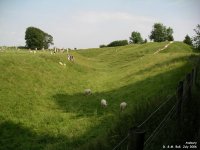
(118,43)
(196,38)
(48,41)
(161,33)
(169,34)
(145,41)
(36,38)
(188,40)
(102,46)
(136,38)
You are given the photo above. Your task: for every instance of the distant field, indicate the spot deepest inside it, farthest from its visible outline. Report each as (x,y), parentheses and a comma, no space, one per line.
(42,105)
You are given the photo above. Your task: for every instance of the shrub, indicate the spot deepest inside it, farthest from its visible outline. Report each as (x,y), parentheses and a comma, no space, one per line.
(118,43)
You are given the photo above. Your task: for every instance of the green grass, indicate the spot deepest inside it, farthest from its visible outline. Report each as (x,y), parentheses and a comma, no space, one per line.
(42,105)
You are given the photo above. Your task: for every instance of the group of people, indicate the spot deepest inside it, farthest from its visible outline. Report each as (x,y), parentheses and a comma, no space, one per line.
(70,57)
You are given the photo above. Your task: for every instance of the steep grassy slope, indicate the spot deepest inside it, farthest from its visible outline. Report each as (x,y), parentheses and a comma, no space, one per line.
(42,103)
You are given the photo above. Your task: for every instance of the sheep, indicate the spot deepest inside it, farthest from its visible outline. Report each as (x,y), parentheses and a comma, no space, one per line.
(123,105)
(103,103)
(51,53)
(34,52)
(61,63)
(87,91)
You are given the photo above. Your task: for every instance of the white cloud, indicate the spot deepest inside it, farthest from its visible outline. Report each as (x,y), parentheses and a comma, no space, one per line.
(101,17)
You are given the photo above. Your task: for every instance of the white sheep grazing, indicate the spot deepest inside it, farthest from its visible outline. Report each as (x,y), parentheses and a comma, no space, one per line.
(61,63)
(123,105)
(87,91)
(103,103)
(34,52)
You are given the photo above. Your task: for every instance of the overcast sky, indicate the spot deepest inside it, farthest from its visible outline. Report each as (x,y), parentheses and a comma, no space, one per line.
(89,23)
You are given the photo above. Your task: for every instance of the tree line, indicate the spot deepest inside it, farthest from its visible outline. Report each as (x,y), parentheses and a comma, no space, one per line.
(36,38)
(159,33)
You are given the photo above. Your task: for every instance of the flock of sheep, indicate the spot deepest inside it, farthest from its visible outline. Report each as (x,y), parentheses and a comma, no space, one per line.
(104,103)
(52,51)
(56,50)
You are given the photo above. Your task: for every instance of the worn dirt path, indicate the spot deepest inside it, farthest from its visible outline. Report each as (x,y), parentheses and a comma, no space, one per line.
(163,48)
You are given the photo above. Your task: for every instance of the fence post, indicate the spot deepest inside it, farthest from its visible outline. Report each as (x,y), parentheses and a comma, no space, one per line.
(192,78)
(195,75)
(189,90)
(179,95)
(136,139)
(186,88)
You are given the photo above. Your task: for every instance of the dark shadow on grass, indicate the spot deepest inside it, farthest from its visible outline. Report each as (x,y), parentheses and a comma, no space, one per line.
(195,50)
(17,137)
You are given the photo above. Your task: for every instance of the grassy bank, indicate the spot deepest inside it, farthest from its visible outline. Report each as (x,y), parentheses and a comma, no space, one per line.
(43,106)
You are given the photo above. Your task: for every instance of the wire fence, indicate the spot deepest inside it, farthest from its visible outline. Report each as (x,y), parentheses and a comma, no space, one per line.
(160,126)
(152,114)
(183,92)
(121,142)
(147,119)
